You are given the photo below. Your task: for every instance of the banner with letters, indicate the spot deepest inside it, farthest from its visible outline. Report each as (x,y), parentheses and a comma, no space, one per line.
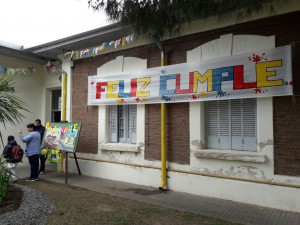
(251,75)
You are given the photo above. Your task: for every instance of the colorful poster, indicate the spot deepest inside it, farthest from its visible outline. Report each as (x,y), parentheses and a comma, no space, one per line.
(61,136)
(251,75)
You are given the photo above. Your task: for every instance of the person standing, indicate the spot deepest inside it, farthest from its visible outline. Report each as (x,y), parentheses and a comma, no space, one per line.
(33,150)
(7,153)
(41,129)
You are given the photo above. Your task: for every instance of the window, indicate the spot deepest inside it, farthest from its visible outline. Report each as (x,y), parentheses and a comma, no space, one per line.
(123,123)
(231,124)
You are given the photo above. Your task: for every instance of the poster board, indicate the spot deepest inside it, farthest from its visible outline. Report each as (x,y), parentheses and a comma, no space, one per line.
(62,136)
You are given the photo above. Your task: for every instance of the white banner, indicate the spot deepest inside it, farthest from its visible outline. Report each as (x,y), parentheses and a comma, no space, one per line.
(251,75)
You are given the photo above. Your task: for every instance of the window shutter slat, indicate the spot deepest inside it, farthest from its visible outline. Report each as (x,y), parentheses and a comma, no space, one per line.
(249,124)
(224,125)
(224,118)
(122,123)
(249,118)
(236,124)
(132,123)
(113,121)
(212,124)
(212,118)
(236,118)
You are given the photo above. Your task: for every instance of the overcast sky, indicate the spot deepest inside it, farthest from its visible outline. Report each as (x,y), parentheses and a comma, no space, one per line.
(33,22)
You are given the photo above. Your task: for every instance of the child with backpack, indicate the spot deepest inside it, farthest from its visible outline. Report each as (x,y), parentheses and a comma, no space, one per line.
(13,154)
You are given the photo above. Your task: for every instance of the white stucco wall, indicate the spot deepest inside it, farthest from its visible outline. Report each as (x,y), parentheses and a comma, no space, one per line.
(50,82)
(32,89)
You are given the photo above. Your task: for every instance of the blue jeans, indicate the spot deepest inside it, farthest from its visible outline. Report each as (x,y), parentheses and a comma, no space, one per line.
(34,166)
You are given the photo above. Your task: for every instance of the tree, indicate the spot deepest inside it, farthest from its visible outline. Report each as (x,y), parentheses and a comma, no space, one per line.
(10,105)
(156,19)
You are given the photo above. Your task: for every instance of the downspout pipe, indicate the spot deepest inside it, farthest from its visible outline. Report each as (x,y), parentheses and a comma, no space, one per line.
(163,132)
(64,97)
(63,110)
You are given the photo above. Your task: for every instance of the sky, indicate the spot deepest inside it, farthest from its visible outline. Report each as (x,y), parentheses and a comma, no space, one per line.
(33,22)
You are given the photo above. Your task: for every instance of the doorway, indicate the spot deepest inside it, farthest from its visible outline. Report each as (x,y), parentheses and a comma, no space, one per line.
(55,106)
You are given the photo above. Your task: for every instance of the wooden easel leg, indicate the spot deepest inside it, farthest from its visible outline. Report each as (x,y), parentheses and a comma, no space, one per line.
(77,164)
(66,168)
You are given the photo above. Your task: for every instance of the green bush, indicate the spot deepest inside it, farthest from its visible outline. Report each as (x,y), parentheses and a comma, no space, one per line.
(4,178)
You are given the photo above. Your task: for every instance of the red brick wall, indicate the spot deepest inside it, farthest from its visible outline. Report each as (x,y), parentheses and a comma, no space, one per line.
(87,115)
(286,135)
(286,31)
(177,131)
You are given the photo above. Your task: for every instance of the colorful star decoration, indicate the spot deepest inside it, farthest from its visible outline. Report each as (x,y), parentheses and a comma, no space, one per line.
(257,58)
(163,71)
(194,97)
(203,94)
(258,91)
(120,100)
(222,94)
(166,98)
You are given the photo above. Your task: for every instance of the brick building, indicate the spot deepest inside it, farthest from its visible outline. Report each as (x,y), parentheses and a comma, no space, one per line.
(265,174)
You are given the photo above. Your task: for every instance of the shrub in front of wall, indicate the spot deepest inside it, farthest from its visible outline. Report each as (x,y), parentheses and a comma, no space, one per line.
(4,178)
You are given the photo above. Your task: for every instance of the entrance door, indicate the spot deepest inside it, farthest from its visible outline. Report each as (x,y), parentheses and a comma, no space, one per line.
(56,106)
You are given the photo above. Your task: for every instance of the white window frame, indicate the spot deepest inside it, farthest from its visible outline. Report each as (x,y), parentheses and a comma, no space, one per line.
(264,123)
(121,64)
(122,123)
(224,46)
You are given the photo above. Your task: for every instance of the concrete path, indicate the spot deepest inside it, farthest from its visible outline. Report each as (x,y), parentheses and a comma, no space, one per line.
(213,207)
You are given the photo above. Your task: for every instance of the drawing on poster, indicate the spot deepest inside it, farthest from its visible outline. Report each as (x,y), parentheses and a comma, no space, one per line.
(62,136)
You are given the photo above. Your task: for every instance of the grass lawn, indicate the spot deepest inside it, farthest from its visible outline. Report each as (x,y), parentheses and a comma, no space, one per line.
(79,206)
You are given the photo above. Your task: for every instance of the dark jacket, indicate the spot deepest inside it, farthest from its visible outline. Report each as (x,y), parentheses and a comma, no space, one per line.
(41,130)
(7,151)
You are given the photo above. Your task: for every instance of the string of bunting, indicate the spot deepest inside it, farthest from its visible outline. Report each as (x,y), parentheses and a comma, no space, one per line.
(94,50)
(13,71)
(51,68)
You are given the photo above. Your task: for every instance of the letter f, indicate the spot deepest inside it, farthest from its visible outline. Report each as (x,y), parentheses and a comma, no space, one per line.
(100,89)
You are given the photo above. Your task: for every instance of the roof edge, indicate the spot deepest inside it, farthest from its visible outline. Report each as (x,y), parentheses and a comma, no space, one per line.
(75,38)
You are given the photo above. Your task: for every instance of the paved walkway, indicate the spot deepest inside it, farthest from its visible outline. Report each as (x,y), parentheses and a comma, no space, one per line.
(213,207)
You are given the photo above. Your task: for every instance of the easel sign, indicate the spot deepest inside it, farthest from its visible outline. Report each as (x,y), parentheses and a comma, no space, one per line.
(62,136)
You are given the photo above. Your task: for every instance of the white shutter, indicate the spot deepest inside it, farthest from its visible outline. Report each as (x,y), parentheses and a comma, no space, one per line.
(122,113)
(132,124)
(218,124)
(224,124)
(212,124)
(231,124)
(243,117)
(113,123)
(236,124)
(249,124)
